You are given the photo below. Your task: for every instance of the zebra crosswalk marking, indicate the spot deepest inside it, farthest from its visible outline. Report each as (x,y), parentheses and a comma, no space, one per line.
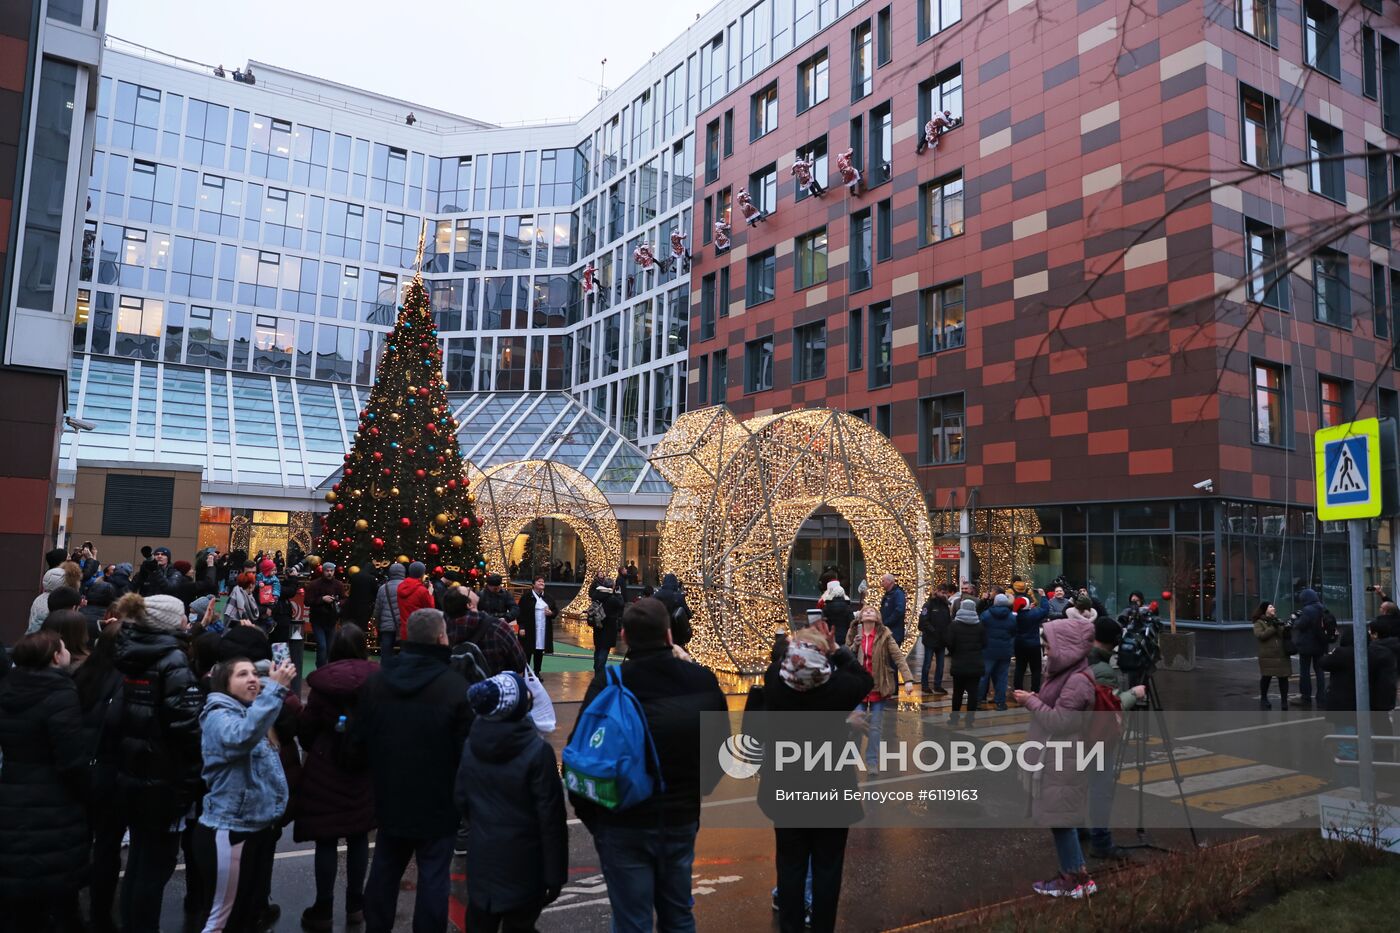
(1161,772)
(1232,798)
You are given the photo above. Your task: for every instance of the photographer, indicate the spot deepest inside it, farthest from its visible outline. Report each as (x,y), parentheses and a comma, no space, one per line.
(1310,638)
(1139,649)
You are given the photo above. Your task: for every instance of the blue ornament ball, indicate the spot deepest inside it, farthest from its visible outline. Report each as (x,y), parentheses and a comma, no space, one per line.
(394,445)
(370,416)
(432,449)
(413,401)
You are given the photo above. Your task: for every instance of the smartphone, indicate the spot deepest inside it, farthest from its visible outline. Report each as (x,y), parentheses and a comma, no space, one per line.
(281,652)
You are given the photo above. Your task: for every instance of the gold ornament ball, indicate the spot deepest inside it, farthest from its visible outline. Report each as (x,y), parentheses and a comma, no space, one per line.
(439,490)
(394,417)
(361,525)
(330,496)
(355,494)
(412,390)
(471,498)
(440,518)
(354,570)
(403,559)
(456,540)
(394,491)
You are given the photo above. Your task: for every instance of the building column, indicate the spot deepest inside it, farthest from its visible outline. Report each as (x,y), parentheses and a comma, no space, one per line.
(31,421)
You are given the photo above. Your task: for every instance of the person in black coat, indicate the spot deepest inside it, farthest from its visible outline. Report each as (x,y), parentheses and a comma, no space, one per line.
(159,758)
(537,639)
(967,640)
(836,609)
(497,602)
(673,598)
(934,619)
(364,586)
(813,675)
(100,689)
(43,789)
(605,633)
(510,796)
(412,719)
(1311,641)
(658,833)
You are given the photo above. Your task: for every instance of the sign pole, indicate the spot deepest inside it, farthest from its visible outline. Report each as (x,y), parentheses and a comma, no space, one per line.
(1366,777)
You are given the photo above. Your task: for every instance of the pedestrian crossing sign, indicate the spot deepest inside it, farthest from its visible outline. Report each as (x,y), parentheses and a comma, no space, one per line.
(1348,458)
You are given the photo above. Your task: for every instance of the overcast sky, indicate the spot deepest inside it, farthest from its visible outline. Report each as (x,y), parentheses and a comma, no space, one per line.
(503,61)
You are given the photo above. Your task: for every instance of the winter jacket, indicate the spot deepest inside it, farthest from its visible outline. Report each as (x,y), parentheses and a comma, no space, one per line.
(839,616)
(413,594)
(247,789)
(386,601)
(364,591)
(527,622)
(1273,652)
(500,647)
(1101,665)
(1308,635)
(1056,607)
(411,719)
(934,620)
(892,608)
(886,663)
(966,643)
(154,581)
(605,635)
(318,611)
(332,802)
(1028,622)
(848,685)
(673,694)
(159,758)
(509,793)
(1059,711)
(1000,623)
(39,609)
(1340,665)
(673,598)
(500,604)
(43,786)
(271,580)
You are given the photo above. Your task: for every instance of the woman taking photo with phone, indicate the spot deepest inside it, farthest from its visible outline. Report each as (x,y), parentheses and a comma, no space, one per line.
(247,789)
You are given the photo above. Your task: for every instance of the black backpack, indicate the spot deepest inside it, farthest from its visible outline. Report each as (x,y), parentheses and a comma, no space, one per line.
(1329,625)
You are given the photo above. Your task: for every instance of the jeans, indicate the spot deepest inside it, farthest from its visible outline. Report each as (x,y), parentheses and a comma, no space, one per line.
(386,643)
(328,866)
(929,655)
(824,850)
(600,658)
(648,870)
(391,855)
(1102,785)
(325,634)
(994,675)
(1067,850)
(1307,664)
(150,861)
(1027,657)
(875,713)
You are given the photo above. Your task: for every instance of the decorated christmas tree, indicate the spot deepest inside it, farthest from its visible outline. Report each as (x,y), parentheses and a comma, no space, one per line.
(403,495)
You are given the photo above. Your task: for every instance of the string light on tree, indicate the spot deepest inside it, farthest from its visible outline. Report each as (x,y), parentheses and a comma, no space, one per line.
(402,491)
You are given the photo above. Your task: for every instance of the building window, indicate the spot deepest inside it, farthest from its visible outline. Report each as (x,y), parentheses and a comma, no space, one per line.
(881,145)
(702,381)
(813,81)
(1326,168)
(884,419)
(1370,85)
(862,61)
(884,38)
(937,15)
(862,413)
(881,345)
(942,318)
(707,307)
(729,132)
(712,152)
(758,365)
(944,91)
(1390,86)
(1261,143)
(815,151)
(1264,257)
(763,112)
(860,250)
(762,269)
(1331,289)
(942,206)
(1259,18)
(1334,401)
(884,230)
(719,374)
(855,341)
(1321,50)
(811,259)
(1380,305)
(1378,195)
(941,421)
(763,188)
(809,352)
(1270,404)
(723,296)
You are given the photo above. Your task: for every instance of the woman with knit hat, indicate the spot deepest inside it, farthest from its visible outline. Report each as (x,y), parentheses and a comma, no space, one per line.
(512,801)
(877,651)
(967,639)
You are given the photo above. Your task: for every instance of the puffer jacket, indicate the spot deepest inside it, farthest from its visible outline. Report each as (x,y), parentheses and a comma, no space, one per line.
(966,642)
(1060,711)
(1308,636)
(159,753)
(1000,623)
(43,786)
(386,601)
(1028,622)
(39,609)
(247,788)
(886,663)
(413,594)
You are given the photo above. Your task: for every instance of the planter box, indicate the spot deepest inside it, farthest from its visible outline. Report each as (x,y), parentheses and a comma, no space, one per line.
(1178,651)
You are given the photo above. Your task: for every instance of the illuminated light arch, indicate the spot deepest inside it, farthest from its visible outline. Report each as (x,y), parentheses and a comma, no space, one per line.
(742,492)
(511,495)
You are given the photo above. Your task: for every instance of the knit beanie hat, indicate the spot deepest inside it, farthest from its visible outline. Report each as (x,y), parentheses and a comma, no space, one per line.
(804,666)
(417,569)
(267,566)
(162,550)
(499,698)
(967,612)
(164,614)
(1002,600)
(328,566)
(1106,630)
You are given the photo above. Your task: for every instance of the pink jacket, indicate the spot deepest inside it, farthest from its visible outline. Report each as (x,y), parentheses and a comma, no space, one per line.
(1059,711)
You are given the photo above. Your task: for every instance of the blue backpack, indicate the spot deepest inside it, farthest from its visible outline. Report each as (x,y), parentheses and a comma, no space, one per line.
(611,757)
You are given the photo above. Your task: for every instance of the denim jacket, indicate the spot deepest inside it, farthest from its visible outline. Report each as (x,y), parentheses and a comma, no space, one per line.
(247,788)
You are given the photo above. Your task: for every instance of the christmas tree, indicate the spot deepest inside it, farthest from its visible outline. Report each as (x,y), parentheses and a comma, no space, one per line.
(403,495)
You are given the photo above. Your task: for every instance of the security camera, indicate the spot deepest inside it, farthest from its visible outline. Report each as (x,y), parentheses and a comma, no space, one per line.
(78,424)
(1205,485)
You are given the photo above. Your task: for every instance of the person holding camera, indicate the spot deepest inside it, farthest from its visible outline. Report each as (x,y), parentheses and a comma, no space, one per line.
(1275,646)
(1310,638)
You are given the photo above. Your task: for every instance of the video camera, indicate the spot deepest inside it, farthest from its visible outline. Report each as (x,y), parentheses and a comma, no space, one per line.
(1139,649)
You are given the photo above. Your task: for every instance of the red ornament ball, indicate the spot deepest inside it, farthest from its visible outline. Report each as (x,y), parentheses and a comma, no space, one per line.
(378,544)
(374,432)
(433,548)
(441,459)
(333,544)
(438,571)
(411,451)
(406,521)
(385,471)
(432,427)
(465,523)
(423,391)
(349,471)
(420,473)
(378,455)
(1167,594)
(340,506)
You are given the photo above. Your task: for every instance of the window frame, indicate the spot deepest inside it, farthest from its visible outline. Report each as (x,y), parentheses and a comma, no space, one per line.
(933,305)
(880,371)
(927,21)
(1277,239)
(1272,127)
(766,262)
(1341,275)
(925,213)
(1282,392)
(1328,50)
(820,72)
(1342,403)
(755,365)
(763,102)
(801,342)
(861,250)
(944,456)
(862,47)
(1326,167)
(1265,11)
(806,249)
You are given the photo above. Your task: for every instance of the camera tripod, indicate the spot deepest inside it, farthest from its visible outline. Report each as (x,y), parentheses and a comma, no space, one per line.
(1139,730)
